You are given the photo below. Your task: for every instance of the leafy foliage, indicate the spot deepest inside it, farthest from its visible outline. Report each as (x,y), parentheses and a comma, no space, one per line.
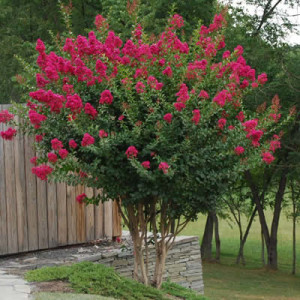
(89,278)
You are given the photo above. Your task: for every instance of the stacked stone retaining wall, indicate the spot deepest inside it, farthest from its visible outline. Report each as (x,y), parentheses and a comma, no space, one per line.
(183,263)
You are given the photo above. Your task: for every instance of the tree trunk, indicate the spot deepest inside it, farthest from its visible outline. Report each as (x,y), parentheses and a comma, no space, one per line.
(294,241)
(262,249)
(161,254)
(294,228)
(206,245)
(243,239)
(272,249)
(217,237)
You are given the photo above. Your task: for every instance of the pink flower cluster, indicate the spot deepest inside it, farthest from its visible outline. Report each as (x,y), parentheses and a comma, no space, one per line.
(5,116)
(8,134)
(42,171)
(131,152)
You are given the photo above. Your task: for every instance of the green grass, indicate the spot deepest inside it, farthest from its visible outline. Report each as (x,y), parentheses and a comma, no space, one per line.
(89,278)
(229,281)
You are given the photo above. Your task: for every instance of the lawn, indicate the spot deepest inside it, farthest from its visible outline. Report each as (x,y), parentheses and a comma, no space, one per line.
(228,281)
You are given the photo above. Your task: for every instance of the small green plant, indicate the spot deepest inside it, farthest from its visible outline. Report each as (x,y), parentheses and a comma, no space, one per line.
(89,278)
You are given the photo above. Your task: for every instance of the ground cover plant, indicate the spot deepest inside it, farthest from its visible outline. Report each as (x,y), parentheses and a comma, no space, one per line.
(157,124)
(89,278)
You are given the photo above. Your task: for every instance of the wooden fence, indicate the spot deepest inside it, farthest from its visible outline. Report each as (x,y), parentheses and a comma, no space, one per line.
(35,214)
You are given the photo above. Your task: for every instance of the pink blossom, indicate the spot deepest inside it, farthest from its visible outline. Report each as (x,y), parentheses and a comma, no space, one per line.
(63,153)
(164,167)
(274,145)
(222,97)
(226,54)
(255,136)
(177,21)
(56,144)
(87,140)
(262,78)
(36,118)
(239,150)
(131,152)
(40,80)
(168,72)
(39,138)
(42,171)
(8,134)
(140,87)
(196,116)
(146,164)
(168,118)
(121,118)
(222,123)
(80,198)
(203,94)
(73,144)
(5,116)
(161,62)
(74,103)
(183,95)
(52,157)
(249,125)
(230,127)
(240,116)
(267,157)
(90,110)
(179,106)
(40,46)
(106,97)
(33,160)
(102,133)
(239,50)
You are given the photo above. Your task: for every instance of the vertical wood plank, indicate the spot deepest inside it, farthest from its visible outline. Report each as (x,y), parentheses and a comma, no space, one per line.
(3,218)
(99,221)
(42,213)
(11,204)
(89,217)
(117,226)
(31,196)
(21,192)
(62,222)
(71,215)
(108,216)
(52,214)
(80,217)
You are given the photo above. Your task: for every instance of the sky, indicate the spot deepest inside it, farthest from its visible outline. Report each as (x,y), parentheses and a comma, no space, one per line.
(294,16)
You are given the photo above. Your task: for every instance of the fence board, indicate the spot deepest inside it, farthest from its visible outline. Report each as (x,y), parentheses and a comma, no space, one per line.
(31,196)
(11,201)
(99,220)
(71,215)
(108,217)
(62,222)
(89,216)
(3,219)
(21,193)
(41,187)
(52,214)
(80,217)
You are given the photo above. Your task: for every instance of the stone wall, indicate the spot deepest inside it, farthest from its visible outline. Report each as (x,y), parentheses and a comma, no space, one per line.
(183,263)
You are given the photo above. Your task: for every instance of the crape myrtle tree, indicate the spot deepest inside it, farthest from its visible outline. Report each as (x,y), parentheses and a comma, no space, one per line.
(157,125)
